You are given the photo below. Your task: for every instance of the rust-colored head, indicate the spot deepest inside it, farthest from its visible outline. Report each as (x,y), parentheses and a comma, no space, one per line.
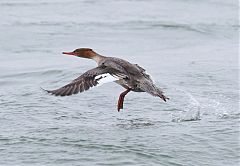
(82,52)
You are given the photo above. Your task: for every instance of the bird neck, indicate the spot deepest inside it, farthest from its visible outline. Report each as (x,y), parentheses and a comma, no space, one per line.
(97,58)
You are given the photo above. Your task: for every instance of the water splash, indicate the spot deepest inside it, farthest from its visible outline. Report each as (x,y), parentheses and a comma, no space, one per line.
(190,112)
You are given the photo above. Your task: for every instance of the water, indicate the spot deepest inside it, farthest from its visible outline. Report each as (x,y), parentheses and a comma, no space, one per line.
(189,47)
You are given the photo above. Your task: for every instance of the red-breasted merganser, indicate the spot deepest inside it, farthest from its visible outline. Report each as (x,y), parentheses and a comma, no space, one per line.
(110,69)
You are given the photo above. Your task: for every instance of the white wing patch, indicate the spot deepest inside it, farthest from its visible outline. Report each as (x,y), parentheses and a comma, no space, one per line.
(105,78)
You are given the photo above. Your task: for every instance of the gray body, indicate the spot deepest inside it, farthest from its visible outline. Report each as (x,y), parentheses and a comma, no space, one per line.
(130,76)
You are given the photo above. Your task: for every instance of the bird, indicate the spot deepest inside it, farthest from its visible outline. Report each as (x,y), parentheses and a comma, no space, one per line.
(131,77)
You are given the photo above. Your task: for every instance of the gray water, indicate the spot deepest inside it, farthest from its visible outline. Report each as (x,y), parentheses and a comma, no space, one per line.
(189,47)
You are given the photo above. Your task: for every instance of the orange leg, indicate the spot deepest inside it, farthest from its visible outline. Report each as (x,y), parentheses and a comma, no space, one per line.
(121,99)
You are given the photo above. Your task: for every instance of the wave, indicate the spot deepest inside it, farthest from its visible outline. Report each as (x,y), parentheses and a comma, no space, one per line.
(201,28)
(30,4)
(32,73)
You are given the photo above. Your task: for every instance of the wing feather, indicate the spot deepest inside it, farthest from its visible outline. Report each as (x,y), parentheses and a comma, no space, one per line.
(87,80)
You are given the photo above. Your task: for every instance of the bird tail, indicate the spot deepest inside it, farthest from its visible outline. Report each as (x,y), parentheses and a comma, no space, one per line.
(162,96)
(153,90)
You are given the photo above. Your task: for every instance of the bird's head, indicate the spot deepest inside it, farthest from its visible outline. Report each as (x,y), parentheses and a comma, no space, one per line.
(82,52)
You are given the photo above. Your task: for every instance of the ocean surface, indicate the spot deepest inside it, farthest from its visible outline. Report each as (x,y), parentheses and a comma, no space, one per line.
(189,47)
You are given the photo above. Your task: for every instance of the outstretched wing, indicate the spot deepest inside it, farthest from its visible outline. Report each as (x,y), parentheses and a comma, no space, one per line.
(91,78)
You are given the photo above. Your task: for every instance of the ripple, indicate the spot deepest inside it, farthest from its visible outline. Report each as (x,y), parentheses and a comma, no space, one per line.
(137,123)
(226,115)
(50,72)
